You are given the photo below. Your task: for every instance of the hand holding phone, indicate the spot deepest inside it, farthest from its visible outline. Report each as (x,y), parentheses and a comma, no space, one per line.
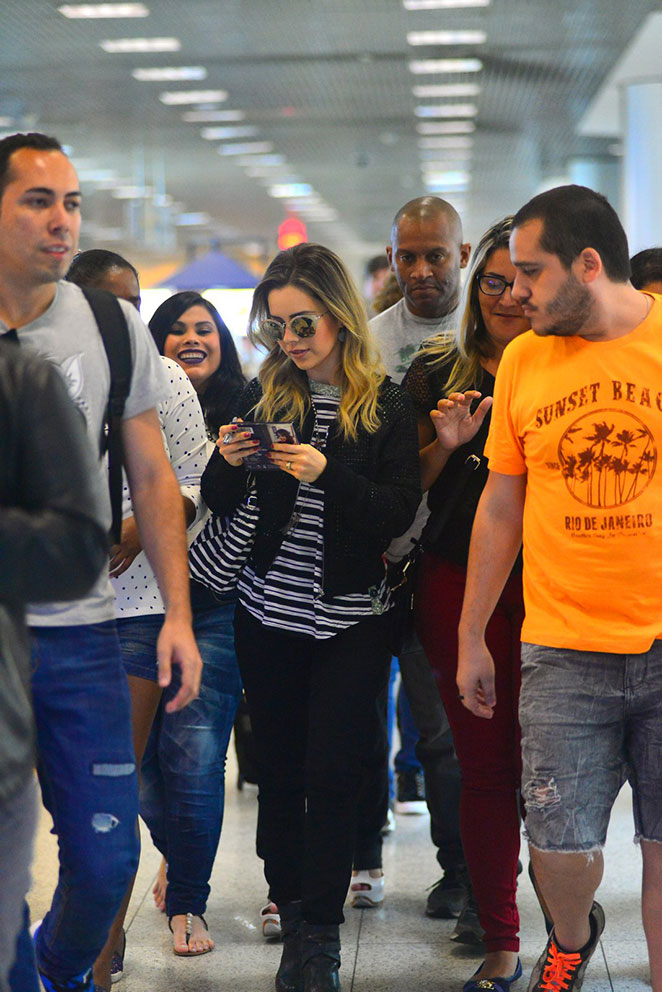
(234,443)
(258,460)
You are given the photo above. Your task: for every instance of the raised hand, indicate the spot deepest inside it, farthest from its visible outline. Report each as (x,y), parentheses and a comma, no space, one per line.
(453,421)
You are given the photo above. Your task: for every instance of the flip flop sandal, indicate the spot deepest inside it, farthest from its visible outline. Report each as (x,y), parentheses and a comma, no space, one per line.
(366,898)
(189,927)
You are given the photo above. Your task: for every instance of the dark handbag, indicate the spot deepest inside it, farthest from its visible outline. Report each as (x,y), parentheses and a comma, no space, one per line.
(223,546)
(402,576)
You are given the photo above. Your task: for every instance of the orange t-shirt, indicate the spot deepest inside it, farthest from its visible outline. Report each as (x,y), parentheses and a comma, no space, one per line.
(583,420)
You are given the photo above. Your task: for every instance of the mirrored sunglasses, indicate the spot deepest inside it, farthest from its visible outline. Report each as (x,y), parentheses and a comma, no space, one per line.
(303,325)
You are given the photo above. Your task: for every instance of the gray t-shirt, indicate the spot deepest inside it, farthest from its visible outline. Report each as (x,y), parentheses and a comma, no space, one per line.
(399,334)
(67,335)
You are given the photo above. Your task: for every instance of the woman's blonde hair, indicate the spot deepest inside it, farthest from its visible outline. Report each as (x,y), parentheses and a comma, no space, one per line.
(317,271)
(470,342)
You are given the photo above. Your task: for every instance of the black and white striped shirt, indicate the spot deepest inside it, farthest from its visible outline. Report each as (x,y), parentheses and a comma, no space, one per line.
(290,596)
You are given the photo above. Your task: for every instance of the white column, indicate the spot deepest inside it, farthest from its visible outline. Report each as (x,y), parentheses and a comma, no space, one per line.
(642,172)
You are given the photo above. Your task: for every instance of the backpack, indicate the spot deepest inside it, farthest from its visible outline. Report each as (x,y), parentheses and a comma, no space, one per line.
(117,343)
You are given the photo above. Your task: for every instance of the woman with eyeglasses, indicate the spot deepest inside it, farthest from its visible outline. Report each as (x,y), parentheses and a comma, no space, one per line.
(446,381)
(312,627)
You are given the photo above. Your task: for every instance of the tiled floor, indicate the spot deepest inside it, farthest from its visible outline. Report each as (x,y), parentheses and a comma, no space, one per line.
(394,949)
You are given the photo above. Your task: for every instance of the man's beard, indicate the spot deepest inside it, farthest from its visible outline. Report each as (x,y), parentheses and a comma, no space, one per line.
(569,311)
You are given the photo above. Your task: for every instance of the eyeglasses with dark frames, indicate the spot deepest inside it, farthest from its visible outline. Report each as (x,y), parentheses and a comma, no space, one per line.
(494,285)
(303,325)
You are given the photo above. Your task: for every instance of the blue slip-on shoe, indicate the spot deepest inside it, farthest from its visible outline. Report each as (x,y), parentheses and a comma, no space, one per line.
(492,984)
(81,983)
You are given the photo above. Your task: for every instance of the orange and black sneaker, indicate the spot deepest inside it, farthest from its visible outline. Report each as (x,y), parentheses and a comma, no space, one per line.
(557,970)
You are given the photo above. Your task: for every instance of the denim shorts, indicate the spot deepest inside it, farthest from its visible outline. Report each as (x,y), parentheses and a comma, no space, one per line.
(138,637)
(590,720)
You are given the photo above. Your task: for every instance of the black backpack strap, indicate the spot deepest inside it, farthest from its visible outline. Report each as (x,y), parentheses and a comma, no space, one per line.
(117,343)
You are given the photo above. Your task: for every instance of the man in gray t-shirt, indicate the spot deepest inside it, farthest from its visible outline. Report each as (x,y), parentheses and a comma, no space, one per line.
(86,763)
(427,255)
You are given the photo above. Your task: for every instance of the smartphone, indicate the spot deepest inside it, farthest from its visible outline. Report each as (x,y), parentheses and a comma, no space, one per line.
(267,435)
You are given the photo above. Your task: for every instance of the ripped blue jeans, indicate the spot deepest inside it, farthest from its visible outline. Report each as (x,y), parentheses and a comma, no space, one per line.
(89,786)
(590,720)
(182,790)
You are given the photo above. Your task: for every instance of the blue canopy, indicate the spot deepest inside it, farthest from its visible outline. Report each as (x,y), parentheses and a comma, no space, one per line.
(213,271)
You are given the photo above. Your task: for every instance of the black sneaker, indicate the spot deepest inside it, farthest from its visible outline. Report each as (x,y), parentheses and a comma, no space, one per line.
(468,929)
(411,793)
(563,971)
(448,896)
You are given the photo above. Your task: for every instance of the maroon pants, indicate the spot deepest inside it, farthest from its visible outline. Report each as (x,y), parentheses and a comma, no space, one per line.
(488,750)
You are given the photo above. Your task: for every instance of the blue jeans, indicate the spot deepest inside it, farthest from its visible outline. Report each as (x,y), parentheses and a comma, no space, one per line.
(589,721)
(406,760)
(88,780)
(390,724)
(182,788)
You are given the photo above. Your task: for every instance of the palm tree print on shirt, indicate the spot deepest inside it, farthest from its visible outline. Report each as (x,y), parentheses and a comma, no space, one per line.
(608,458)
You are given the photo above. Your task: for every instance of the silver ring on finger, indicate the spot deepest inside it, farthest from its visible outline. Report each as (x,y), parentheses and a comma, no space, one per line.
(289,466)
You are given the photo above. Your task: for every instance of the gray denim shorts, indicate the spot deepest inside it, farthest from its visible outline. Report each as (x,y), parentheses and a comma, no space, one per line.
(590,720)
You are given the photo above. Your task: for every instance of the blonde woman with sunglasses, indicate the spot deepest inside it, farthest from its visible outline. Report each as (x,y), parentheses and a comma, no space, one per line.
(312,627)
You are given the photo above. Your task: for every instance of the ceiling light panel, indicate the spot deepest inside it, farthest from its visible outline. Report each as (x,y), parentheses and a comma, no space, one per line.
(442,4)
(446,127)
(448,178)
(446,89)
(104,10)
(447,110)
(121,46)
(262,161)
(423,67)
(223,133)
(450,141)
(247,148)
(177,98)
(170,74)
(446,37)
(284,191)
(212,116)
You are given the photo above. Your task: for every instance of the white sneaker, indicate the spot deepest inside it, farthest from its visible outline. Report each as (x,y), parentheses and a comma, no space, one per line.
(270,920)
(389,825)
(410,797)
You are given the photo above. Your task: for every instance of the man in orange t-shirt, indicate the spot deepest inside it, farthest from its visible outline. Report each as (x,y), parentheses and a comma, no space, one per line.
(572,453)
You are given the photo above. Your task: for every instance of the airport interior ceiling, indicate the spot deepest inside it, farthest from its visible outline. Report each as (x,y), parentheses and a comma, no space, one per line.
(209,121)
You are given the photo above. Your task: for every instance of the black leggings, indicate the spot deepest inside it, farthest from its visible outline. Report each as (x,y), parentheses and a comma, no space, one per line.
(318,730)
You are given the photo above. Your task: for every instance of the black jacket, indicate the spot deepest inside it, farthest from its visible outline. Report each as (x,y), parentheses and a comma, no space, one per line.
(371,487)
(52,544)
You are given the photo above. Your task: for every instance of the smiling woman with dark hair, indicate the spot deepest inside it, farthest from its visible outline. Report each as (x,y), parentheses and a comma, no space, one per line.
(190,330)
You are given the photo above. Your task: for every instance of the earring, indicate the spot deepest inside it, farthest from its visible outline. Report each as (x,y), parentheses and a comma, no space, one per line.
(342,333)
